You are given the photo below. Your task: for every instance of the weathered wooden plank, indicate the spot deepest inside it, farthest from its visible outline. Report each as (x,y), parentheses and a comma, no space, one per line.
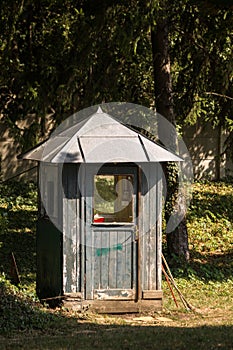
(129,261)
(145,225)
(120,256)
(116,306)
(112,267)
(151,226)
(123,275)
(138,237)
(113,262)
(70,229)
(82,213)
(114,294)
(49,258)
(159,231)
(77,295)
(105,242)
(89,280)
(97,266)
(152,294)
(89,236)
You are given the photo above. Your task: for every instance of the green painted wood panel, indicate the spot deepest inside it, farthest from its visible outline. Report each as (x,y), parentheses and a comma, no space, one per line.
(113,264)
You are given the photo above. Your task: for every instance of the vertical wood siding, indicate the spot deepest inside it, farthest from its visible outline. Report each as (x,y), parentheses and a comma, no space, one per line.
(49,232)
(150,226)
(71,231)
(111,267)
(101,261)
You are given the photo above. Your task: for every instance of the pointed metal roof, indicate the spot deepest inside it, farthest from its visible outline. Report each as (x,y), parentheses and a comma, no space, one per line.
(99,139)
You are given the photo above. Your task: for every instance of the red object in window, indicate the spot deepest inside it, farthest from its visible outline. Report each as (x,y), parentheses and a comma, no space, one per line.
(98,218)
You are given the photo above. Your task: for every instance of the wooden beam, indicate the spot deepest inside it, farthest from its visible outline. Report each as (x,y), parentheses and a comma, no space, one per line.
(152,294)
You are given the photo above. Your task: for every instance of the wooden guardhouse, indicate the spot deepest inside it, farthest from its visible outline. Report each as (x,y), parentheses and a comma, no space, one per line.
(99,227)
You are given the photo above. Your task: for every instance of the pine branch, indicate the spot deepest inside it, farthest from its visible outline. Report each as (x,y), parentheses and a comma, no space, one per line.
(220,95)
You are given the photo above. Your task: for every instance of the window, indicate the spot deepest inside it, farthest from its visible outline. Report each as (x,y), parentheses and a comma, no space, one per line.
(113,198)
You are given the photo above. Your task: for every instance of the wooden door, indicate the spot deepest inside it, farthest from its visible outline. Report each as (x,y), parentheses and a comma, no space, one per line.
(111,222)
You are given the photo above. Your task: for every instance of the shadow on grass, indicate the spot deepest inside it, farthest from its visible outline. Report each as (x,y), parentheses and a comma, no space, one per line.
(20,219)
(20,313)
(25,325)
(216,204)
(18,214)
(212,266)
(107,337)
(215,267)
(22,244)
(19,237)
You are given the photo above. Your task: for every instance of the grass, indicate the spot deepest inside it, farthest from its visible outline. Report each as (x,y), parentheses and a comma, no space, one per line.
(206,282)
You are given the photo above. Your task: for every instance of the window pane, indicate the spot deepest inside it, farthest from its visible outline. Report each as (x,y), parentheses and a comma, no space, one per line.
(113,195)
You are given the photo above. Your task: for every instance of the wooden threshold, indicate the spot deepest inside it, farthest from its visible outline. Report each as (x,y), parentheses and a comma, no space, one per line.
(115,307)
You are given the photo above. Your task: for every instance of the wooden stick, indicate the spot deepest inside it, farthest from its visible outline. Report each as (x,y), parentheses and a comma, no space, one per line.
(182,298)
(186,304)
(14,270)
(54,298)
(169,285)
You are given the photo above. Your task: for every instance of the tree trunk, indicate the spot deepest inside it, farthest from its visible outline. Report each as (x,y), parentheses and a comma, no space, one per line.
(177,240)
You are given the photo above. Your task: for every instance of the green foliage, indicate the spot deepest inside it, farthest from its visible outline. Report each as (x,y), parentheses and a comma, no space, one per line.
(18,312)
(105,187)
(172,188)
(202,60)
(59,57)
(19,307)
(3,221)
(210,229)
(18,212)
